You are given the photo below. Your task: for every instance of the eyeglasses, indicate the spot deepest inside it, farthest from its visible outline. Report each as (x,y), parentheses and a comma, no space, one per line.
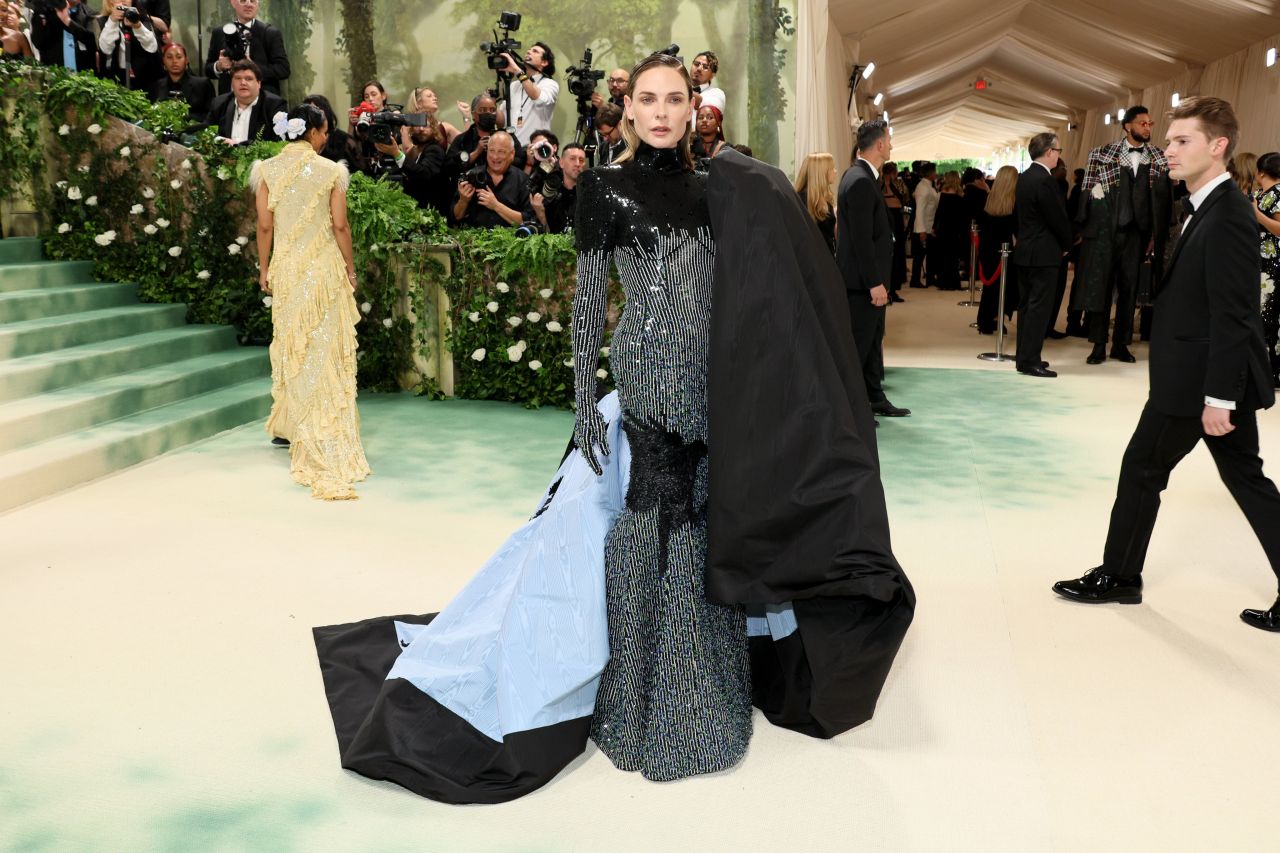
(617,79)
(1059,150)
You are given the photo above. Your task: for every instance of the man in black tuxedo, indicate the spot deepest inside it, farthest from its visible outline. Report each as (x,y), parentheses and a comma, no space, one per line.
(864,253)
(266,48)
(1209,367)
(1044,235)
(246,109)
(62,30)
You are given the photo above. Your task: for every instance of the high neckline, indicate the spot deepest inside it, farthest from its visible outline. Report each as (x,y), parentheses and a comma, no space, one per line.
(659,159)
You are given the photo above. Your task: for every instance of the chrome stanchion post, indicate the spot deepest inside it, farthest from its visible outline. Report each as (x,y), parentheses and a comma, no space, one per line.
(999,355)
(973,264)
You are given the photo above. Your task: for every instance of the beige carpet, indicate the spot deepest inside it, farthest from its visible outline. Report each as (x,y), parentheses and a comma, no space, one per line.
(161,693)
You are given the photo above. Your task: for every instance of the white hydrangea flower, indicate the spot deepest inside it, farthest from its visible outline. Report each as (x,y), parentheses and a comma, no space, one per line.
(136,209)
(545,293)
(162,222)
(186,164)
(491,307)
(175,183)
(266,301)
(365,307)
(150,229)
(203,275)
(535,365)
(126,151)
(105,239)
(64,130)
(147,192)
(223,173)
(503,287)
(91,201)
(233,249)
(242,240)
(64,228)
(478,355)
(533,316)
(604,350)
(94,129)
(62,185)
(84,170)
(515,352)
(74,193)
(373,248)
(602,374)
(174,251)
(553,326)
(568,363)
(514,321)
(387,322)
(474,316)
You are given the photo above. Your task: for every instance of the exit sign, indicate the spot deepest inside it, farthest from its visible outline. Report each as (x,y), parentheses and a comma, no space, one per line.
(981,84)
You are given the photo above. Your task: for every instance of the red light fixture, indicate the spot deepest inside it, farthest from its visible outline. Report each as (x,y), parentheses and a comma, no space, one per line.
(981,84)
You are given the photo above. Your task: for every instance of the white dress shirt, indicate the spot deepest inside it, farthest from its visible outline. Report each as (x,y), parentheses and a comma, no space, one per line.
(533,114)
(240,124)
(1197,199)
(926,198)
(111,43)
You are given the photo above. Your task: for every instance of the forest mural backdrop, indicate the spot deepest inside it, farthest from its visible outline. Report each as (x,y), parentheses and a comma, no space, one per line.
(336,45)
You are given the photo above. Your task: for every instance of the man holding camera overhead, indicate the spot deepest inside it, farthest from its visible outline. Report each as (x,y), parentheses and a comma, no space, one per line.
(251,39)
(533,92)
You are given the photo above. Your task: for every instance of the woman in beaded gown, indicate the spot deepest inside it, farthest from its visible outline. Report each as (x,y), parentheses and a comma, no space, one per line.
(302,229)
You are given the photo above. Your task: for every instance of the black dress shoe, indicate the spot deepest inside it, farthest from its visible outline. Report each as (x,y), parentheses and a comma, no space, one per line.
(893,297)
(1098,355)
(1054,334)
(1098,587)
(889,410)
(1123,354)
(1265,620)
(280,442)
(1042,372)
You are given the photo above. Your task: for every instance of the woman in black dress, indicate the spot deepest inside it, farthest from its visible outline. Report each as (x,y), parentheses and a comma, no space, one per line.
(950,227)
(815,182)
(997,223)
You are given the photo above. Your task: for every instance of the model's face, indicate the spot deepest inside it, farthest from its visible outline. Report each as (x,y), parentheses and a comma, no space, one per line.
(373,95)
(175,62)
(245,86)
(427,101)
(1190,151)
(660,107)
(618,80)
(708,124)
(1140,128)
(700,70)
(502,150)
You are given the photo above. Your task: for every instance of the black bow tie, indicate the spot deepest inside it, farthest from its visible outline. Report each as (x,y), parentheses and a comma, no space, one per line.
(1135,150)
(1187,207)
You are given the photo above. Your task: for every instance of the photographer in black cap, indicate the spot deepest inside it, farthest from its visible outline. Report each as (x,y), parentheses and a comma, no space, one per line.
(249,39)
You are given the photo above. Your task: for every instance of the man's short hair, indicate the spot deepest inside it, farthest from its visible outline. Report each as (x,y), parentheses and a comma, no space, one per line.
(871,132)
(573,146)
(743,149)
(610,114)
(475,102)
(1133,112)
(246,65)
(1216,118)
(1040,144)
(547,135)
(550,58)
(713,61)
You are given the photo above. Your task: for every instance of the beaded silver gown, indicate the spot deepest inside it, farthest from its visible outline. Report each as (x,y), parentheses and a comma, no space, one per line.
(675,697)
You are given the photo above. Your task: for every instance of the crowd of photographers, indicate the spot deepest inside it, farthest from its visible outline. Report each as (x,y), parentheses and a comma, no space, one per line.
(503,167)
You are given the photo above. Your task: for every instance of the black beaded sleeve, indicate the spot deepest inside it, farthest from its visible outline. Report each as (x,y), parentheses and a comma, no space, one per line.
(594,230)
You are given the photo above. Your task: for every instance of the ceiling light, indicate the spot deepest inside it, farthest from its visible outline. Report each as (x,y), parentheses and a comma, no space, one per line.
(1106,119)
(879,98)
(891,130)
(1176,99)
(885,116)
(1271,57)
(868,71)
(1119,115)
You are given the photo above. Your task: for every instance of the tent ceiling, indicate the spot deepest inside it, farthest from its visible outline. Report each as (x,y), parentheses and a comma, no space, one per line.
(1047,62)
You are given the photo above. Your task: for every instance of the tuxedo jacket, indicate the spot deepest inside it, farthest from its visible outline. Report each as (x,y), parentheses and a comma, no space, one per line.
(222,114)
(864,233)
(47,31)
(196,91)
(266,49)
(1206,335)
(1044,231)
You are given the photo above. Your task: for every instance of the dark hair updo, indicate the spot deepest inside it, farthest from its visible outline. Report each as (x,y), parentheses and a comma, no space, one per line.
(313,118)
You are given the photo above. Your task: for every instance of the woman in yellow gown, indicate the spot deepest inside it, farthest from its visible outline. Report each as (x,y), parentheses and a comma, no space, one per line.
(302,209)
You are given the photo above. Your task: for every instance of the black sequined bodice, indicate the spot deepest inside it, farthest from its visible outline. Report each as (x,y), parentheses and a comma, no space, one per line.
(649,218)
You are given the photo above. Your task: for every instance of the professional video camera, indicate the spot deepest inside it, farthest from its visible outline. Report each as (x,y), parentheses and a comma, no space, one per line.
(670,50)
(131,14)
(508,22)
(235,40)
(582,80)
(377,126)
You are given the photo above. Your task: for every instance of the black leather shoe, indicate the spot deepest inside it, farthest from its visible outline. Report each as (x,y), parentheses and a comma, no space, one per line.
(1098,355)
(889,410)
(893,297)
(1123,354)
(1055,335)
(280,442)
(1042,372)
(1098,587)
(1265,620)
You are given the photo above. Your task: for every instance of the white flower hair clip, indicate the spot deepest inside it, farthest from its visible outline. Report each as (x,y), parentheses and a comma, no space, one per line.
(288,128)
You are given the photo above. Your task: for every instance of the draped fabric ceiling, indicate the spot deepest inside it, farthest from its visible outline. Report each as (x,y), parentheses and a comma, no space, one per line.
(1048,63)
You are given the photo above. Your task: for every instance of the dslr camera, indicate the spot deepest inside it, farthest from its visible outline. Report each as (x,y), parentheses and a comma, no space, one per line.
(477,176)
(378,127)
(508,22)
(131,14)
(582,79)
(235,40)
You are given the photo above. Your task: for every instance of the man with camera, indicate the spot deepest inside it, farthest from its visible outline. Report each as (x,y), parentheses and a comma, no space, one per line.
(540,157)
(62,32)
(493,193)
(244,111)
(468,149)
(617,81)
(556,205)
(422,166)
(247,38)
(128,47)
(533,93)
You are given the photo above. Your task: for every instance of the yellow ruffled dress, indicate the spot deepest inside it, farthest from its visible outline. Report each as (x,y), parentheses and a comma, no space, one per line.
(313,317)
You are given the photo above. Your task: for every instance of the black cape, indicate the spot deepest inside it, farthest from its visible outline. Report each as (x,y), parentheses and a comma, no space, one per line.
(797,509)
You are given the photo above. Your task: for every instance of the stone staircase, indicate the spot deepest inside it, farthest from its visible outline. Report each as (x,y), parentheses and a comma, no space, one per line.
(92,381)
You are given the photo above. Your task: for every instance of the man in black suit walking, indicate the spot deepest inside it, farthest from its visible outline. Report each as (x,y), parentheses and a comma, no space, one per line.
(864,253)
(266,48)
(1044,235)
(1209,367)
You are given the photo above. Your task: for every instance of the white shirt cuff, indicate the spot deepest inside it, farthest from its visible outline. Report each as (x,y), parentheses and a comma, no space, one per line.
(1229,405)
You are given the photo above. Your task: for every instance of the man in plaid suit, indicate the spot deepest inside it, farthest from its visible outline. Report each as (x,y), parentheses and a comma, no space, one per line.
(1125,213)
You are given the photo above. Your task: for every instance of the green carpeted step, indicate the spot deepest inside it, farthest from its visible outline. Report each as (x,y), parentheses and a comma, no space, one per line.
(68,299)
(47,371)
(45,416)
(51,466)
(50,333)
(38,274)
(18,250)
